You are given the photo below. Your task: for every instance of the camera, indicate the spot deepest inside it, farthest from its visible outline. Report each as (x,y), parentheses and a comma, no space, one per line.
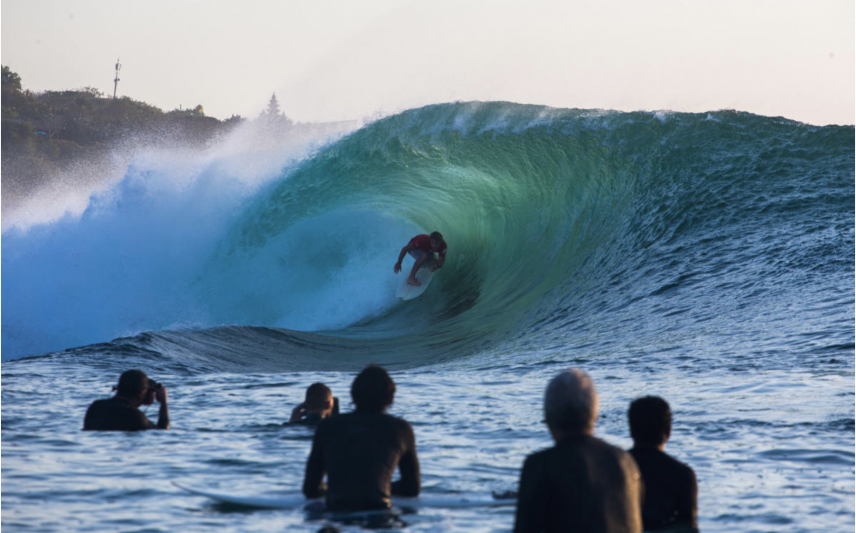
(131,380)
(151,392)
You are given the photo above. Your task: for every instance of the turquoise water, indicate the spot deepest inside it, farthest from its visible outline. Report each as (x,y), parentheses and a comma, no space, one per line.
(706,258)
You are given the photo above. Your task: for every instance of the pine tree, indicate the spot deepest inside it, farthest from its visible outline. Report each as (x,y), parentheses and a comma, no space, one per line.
(272,120)
(273,107)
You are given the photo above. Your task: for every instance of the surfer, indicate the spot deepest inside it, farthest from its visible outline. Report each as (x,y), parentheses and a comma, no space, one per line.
(318,405)
(121,412)
(582,483)
(671,490)
(359,451)
(422,248)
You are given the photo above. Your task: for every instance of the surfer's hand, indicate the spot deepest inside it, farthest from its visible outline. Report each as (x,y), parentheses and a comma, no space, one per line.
(397,267)
(433,267)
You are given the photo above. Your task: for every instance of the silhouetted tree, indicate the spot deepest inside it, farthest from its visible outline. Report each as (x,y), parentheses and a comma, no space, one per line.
(11,80)
(273,121)
(273,107)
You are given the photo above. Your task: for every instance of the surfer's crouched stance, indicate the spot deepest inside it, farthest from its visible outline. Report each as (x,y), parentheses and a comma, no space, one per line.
(359,451)
(422,248)
(121,412)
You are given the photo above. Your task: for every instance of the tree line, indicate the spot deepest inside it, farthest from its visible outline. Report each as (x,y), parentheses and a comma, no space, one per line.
(46,131)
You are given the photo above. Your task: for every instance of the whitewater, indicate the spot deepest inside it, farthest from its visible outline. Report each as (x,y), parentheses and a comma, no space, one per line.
(705,258)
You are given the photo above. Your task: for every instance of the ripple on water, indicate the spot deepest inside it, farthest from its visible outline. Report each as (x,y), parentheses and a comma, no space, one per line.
(839,457)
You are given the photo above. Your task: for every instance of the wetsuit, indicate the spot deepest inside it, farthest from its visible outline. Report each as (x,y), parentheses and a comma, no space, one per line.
(115,414)
(582,484)
(359,453)
(671,490)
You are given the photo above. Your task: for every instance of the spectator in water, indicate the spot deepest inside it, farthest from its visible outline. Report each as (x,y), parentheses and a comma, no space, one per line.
(671,490)
(581,484)
(121,412)
(318,405)
(359,451)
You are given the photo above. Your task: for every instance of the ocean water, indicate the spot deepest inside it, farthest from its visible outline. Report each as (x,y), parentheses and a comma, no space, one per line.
(706,258)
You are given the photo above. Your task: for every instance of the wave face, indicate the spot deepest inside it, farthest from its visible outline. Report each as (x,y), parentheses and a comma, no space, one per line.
(565,228)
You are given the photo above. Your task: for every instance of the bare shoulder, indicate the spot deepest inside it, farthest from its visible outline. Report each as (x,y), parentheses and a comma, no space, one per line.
(400,424)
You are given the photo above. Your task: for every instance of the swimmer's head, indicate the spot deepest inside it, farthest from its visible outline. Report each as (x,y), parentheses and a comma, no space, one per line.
(373,390)
(132,383)
(570,403)
(318,398)
(650,420)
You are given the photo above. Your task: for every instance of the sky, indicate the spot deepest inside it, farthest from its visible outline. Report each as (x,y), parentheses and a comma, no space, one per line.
(332,60)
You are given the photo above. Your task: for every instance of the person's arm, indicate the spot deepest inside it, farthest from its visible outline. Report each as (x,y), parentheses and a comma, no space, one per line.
(441,258)
(313,479)
(89,418)
(138,422)
(297,413)
(531,512)
(687,511)
(410,483)
(163,411)
(410,246)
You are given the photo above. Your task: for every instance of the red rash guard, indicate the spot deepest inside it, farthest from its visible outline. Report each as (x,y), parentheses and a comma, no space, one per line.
(423,242)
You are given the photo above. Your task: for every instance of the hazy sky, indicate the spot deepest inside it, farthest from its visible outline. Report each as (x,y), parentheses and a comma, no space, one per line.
(330,60)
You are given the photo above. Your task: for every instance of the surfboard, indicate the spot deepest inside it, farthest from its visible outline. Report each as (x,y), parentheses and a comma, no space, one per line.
(407,291)
(297,501)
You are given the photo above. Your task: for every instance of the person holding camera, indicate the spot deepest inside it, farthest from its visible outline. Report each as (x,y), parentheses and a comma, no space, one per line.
(319,404)
(121,412)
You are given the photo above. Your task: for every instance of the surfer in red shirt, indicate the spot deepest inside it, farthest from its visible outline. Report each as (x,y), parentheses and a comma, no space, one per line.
(422,248)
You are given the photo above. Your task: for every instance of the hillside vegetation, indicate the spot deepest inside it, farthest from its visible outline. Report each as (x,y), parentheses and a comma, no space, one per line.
(45,133)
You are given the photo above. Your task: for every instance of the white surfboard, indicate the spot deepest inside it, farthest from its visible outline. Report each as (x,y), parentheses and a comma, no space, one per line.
(407,291)
(297,501)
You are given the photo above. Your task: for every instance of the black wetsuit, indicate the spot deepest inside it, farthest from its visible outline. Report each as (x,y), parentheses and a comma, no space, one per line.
(115,414)
(359,453)
(582,484)
(671,490)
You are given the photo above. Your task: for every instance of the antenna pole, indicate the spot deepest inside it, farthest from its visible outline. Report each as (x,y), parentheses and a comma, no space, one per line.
(116,81)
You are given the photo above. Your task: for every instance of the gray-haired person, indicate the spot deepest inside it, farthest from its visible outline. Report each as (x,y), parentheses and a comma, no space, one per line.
(581,484)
